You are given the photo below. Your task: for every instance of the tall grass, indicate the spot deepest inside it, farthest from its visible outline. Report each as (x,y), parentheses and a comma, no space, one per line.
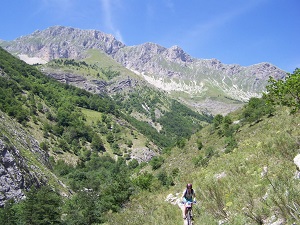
(253,184)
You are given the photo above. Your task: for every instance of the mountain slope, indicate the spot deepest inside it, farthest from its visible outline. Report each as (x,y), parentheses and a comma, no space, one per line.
(241,165)
(202,84)
(73,126)
(23,163)
(252,183)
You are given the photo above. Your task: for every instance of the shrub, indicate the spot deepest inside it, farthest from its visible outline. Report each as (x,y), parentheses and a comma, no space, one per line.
(156,162)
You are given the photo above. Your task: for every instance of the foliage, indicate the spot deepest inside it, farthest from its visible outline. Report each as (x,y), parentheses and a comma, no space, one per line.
(149,132)
(156,162)
(165,179)
(199,144)
(177,120)
(180,121)
(41,206)
(133,164)
(97,143)
(285,92)
(256,109)
(218,119)
(102,184)
(144,181)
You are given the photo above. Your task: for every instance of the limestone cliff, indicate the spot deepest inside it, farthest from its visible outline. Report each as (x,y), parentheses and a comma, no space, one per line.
(22,162)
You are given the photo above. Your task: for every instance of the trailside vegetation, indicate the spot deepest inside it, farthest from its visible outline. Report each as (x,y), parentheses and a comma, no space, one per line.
(285,92)
(242,168)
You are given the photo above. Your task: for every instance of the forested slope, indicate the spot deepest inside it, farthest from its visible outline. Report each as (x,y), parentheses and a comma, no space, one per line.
(89,141)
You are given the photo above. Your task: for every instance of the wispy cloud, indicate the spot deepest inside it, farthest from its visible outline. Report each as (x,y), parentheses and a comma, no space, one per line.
(169,4)
(107,6)
(209,27)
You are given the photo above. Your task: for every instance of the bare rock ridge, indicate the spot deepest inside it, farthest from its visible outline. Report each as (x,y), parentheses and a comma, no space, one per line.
(169,69)
(63,42)
(17,172)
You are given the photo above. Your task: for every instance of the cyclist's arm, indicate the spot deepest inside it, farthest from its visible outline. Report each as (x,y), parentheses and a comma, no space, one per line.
(183,196)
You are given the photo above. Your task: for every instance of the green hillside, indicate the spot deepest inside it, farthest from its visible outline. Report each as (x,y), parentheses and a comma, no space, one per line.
(253,183)
(241,165)
(84,134)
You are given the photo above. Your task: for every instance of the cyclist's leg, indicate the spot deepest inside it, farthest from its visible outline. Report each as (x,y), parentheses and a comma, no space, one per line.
(184,210)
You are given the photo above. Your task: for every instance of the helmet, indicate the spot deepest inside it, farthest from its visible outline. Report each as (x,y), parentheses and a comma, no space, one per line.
(189,185)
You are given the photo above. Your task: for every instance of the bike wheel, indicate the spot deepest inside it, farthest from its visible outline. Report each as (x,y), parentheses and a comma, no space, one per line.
(189,218)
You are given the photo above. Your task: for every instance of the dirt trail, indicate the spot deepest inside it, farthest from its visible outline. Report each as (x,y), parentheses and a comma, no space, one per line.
(176,200)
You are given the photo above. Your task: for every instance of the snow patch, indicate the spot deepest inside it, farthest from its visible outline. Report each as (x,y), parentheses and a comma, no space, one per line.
(32,60)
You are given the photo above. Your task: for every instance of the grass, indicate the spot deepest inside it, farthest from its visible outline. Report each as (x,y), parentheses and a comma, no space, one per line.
(91,116)
(103,61)
(125,134)
(258,177)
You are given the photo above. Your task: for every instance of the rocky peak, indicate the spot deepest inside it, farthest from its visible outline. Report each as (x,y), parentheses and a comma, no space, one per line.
(64,42)
(135,57)
(147,51)
(151,48)
(264,70)
(176,54)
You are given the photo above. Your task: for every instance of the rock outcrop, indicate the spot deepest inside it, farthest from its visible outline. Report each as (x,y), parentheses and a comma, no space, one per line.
(63,42)
(22,162)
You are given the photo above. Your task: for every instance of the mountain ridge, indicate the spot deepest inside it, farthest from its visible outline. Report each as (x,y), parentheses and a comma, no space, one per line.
(171,69)
(242,164)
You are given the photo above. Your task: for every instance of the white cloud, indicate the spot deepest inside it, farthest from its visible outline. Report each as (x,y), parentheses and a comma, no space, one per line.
(107,7)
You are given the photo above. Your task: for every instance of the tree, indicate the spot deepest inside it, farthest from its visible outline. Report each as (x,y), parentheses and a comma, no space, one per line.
(42,207)
(8,215)
(218,119)
(144,181)
(97,143)
(156,162)
(256,109)
(133,164)
(285,92)
(199,144)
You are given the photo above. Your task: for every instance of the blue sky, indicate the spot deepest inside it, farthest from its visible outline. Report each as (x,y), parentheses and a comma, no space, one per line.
(241,32)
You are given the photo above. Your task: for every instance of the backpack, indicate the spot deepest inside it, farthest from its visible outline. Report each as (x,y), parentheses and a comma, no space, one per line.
(192,191)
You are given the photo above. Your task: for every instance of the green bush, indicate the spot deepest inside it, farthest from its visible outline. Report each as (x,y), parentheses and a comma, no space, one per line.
(285,91)
(156,162)
(256,109)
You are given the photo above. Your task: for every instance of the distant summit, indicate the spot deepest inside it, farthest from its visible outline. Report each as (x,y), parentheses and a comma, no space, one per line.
(203,84)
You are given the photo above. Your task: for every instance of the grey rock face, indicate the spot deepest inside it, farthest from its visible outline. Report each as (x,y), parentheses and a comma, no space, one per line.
(11,178)
(94,86)
(19,173)
(143,154)
(63,42)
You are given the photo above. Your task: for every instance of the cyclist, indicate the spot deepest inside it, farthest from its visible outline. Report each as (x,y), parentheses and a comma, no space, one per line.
(187,196)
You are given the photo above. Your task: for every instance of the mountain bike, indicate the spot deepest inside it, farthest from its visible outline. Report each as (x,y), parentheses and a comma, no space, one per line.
(189,215)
